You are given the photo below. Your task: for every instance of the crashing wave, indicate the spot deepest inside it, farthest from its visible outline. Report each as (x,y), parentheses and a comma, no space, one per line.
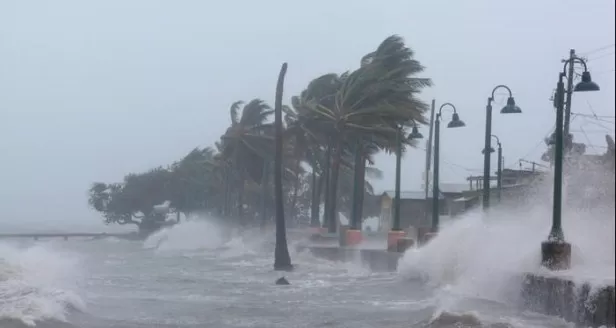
(32,292)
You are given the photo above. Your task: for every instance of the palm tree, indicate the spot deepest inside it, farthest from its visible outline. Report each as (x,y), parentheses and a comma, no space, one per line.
(297,141)
(245,141)
(282,259)
(371,104)
(304,125)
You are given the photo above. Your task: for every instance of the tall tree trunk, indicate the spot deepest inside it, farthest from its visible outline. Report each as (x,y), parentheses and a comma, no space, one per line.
(225,205)
(293,209)
(362,190)
(240,190)
(362,195)
(359,174)
(333,186)
(282,259)
(326,196)
(315,199)
(264,193)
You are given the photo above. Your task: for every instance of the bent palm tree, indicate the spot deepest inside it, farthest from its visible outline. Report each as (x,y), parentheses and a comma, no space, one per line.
(247,140)
(371,104)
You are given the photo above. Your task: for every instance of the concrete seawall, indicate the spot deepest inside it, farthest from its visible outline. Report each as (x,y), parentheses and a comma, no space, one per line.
(574,302)
(549,295)
(67,235)
(375,259)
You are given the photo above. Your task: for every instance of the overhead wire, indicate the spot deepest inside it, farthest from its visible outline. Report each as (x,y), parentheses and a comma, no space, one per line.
(586,53)
(453,164)
(601,56)
(593,116)
(587,138)
(542,141)
(595,121)
(590,131)
(603,72)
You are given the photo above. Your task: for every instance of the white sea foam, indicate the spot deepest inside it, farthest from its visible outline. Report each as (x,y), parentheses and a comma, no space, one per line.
(485,255)
(37,283)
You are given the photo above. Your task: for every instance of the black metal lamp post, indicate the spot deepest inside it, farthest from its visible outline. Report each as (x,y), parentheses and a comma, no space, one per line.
(415,134)
(556,252)
(454,123)
(510,108)
(499,170)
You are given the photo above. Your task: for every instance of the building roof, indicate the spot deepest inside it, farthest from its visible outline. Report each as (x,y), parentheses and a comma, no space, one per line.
(453,188)
(409,195)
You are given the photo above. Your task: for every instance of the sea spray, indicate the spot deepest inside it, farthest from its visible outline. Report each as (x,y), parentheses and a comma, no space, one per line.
(484,255)
(206,234)
(37,283)
(189,235)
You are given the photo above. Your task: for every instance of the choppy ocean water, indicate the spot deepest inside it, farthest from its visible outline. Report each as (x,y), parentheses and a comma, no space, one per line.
(190,276)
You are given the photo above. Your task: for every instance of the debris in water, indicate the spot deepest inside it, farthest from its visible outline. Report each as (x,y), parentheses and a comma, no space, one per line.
(282,281)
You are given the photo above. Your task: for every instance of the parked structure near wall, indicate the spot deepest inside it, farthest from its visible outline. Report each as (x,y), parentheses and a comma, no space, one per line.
(516,184)
(455,199)
(416,210)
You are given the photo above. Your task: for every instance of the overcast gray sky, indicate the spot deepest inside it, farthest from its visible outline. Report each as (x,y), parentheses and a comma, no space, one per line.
(92,90)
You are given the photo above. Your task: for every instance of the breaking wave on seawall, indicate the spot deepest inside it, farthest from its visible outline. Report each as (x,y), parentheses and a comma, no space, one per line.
(482,258)
(37,285)
(205,235)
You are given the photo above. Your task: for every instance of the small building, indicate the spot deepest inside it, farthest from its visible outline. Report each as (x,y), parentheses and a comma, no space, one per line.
(416,209)
(516,184)
(510,177)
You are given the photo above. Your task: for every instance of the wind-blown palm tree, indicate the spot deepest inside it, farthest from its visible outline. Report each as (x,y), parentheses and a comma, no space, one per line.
(371,104)
(304,125)
(247,140)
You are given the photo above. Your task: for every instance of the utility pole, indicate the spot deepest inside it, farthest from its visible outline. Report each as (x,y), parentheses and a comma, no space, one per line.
(429,158)
(570,76)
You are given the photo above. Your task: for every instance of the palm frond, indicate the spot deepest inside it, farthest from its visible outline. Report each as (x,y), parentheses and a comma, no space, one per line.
(234,111)
(255,113)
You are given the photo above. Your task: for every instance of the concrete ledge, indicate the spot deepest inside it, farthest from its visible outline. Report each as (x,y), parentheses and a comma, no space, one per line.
(559,296)
(375,259)
(67,235)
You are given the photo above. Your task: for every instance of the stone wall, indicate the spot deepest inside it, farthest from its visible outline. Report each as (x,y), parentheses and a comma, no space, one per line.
(374,259)
(575,303)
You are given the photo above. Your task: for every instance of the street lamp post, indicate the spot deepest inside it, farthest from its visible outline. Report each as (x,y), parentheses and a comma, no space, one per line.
(499,170)
(510,108)
(556,252)
(454,123)
(396,231)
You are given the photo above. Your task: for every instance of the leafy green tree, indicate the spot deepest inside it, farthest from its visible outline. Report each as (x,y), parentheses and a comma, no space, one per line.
(133,201)
(194,183)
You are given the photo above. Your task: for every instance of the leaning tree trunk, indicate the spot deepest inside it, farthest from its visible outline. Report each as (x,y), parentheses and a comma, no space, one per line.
(326,196)
(240,193)
(333,186)
(282,259)
(362,191)
(359,182)
(225,206)
(264,193)
(293,208)
(315,199)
